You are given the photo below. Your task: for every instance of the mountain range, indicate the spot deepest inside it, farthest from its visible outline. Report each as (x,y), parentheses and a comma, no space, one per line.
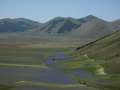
(89,26)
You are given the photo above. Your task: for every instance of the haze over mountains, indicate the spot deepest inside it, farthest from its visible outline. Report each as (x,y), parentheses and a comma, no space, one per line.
(89,26)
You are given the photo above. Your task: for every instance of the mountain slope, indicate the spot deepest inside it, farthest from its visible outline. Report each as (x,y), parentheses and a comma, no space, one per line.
(105,50)
(116,24)
(93,27)
(17,25)
(86,27)
(59,25)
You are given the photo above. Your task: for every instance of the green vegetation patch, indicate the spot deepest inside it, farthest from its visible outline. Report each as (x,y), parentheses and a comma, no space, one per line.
(51,85)
(6,87)
(23,65)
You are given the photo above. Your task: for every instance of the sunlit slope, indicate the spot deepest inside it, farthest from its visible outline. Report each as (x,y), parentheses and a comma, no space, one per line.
(105,50)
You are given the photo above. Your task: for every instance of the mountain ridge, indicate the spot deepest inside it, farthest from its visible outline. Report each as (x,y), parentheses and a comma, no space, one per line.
(17,24)
(89,26)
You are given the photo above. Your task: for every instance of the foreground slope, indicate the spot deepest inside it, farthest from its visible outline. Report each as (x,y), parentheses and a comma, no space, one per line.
(105,50)
(96,64)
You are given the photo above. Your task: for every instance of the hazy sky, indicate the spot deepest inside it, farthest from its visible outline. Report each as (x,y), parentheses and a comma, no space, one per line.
(43,10)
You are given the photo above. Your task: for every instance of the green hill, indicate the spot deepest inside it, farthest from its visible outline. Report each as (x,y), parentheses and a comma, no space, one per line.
(106,51)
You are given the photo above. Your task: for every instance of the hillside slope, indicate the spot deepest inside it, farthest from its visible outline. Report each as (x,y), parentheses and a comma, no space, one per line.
(59,25)
(105,50)
(94,27)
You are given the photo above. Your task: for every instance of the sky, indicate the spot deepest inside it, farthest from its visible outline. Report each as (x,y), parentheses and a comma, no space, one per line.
(44,10)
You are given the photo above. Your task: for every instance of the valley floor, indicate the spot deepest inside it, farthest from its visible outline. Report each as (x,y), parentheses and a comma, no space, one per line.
(48,66)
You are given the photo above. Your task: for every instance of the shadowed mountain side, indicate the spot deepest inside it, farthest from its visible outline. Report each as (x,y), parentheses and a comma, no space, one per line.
(59,25)
(17,24)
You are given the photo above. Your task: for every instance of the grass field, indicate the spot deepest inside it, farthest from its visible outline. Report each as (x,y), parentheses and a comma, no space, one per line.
(22,66)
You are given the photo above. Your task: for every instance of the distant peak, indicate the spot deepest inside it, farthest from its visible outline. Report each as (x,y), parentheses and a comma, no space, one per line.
(22,19)
(62,18)
(91,16)
(58,18)
(6,19)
